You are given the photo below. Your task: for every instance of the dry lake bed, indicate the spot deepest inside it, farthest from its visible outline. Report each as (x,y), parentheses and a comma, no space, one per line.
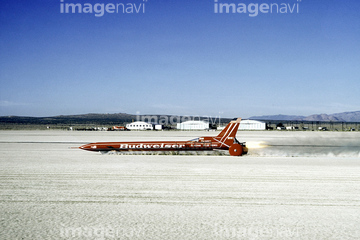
(291,185)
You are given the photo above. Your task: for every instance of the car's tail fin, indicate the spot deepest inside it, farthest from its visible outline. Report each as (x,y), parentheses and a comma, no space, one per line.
(227,135)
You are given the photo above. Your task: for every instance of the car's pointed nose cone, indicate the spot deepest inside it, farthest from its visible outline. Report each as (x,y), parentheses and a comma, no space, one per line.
(86,147)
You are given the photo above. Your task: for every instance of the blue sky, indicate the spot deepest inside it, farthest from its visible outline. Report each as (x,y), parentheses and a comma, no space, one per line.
(179,57)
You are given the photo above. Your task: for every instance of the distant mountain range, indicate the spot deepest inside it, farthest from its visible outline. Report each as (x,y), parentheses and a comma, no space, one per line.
(96,118)
(336,117)
(90,118)
(122,118)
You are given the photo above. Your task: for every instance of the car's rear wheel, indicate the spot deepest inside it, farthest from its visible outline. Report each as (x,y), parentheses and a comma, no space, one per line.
(236,150)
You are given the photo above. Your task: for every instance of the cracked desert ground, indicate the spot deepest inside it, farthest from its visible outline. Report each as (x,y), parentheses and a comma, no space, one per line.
(298,185)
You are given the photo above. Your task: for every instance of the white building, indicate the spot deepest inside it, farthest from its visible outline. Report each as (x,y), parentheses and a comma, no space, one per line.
(139,126)
(193,125)
(252,125)
(158,127)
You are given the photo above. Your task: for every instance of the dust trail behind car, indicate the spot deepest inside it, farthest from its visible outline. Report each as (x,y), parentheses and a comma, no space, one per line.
(306,144)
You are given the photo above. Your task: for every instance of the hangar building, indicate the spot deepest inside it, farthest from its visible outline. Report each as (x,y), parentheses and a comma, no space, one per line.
(193,125)
(252,125)
(139,126)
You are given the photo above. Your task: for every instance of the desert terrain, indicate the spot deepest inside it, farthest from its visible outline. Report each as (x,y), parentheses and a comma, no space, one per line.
(291,185)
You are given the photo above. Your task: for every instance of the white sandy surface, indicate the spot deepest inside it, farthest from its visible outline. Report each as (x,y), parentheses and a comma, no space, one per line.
(303,185)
